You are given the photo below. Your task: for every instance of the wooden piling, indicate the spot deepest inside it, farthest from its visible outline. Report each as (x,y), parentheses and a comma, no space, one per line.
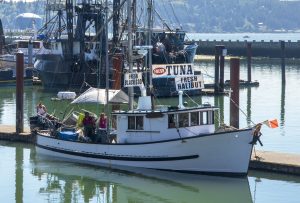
(282,45)
(235,94)
(217,70)
(249,58)
(222,63)
(19,92)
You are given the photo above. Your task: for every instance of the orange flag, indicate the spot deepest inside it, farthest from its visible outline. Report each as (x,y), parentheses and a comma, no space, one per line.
(273,123)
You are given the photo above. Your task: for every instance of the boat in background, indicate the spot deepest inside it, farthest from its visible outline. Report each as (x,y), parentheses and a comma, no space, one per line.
(71,58)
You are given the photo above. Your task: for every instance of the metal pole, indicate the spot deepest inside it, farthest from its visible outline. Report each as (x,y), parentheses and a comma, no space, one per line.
(217,52)
(150,25)
(235,95)
(249,58)
(19,92)
(222,62)
(129,28)
(106,68)
(30,53)
(282,44)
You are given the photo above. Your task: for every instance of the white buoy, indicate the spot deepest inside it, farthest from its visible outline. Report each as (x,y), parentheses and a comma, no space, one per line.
(66,95)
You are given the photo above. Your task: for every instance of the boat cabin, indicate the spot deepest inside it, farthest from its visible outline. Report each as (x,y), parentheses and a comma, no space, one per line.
(22,45)
(163,123)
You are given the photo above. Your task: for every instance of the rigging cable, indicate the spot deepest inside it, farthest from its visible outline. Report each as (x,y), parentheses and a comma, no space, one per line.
(172,7)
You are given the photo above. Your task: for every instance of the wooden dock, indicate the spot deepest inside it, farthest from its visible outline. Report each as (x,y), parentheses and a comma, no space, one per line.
(276,162)
(8,132)
(261,160)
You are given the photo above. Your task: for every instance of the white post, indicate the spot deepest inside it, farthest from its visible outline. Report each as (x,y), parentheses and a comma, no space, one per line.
(180,103)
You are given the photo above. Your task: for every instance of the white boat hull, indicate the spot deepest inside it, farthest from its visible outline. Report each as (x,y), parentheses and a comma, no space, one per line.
(226,153)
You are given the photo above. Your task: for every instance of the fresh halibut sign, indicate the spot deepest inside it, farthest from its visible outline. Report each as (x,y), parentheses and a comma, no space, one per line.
(189,83)
(176,70)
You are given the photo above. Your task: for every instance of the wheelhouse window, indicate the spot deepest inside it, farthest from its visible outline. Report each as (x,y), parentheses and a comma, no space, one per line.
(204,117)
(23,45)
(114,122)
(172,121)
(36,45)
(183,119)
(194,118)
(135,122)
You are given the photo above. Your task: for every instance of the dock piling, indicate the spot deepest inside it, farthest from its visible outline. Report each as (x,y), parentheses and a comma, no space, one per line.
(19,92)
(249,58)
(282,45)
(2,38)
(235,95)
(222,63)
(217,69)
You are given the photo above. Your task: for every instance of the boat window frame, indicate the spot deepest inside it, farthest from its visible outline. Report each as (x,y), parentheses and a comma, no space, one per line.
(198,117)
(211,117)
(185,123)
(172,123)
(201,117)
(114,122)
(138,122)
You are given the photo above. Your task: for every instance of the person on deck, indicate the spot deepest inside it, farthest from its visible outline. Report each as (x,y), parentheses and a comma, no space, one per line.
(101,131)
(102,121)
(41,110)
(88,123)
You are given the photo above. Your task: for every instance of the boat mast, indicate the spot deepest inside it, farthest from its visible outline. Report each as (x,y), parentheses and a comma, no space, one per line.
(116,22)
(129,30)
(150,26)
(69,10)
(106,67)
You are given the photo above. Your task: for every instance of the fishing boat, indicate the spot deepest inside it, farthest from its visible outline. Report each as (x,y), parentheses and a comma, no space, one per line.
(181,139)
(173,138)
(71,58)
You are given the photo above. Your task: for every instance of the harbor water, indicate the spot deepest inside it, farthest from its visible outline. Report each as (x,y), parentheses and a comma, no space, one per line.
(26,177)
(275,37)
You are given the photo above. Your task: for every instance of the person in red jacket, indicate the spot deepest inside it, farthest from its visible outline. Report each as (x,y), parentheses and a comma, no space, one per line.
(102,121)
(88,123)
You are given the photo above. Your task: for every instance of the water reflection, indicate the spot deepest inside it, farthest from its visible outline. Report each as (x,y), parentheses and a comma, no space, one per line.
(249,121)
(282,106)
(27,177)
(19,175)
(74,183)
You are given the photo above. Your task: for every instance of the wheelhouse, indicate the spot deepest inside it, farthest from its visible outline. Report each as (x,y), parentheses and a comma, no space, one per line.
(146,125)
